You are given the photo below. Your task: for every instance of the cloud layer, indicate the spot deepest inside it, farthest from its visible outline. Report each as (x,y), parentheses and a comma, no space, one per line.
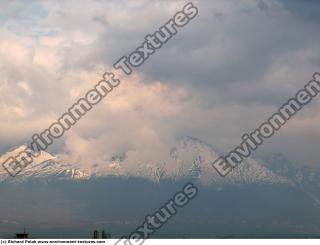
(220,77)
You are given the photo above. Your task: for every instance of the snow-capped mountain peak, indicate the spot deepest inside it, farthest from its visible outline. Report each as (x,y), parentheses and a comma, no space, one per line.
(44,166)
(189,159)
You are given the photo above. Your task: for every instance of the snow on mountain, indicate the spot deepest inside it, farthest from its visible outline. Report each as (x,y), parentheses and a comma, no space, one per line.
(44,167)
(190,158)
(198,156)
(278,163)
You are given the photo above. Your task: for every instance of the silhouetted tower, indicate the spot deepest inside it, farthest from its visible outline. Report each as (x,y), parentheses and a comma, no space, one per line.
(95,234)
(23,235)
(105,235)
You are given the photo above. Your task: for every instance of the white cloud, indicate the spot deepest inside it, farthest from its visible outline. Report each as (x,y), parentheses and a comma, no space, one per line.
(220,77)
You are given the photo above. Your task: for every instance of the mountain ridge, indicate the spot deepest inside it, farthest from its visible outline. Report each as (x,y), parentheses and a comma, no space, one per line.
(190,158)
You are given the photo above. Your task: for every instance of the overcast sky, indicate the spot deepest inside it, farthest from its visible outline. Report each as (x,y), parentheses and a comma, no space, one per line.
(221,76)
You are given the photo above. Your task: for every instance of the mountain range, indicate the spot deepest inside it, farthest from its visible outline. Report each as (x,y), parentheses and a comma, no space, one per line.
(265,196)
(191,158)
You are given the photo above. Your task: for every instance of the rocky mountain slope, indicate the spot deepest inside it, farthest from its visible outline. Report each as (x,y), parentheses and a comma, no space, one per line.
(190,158)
